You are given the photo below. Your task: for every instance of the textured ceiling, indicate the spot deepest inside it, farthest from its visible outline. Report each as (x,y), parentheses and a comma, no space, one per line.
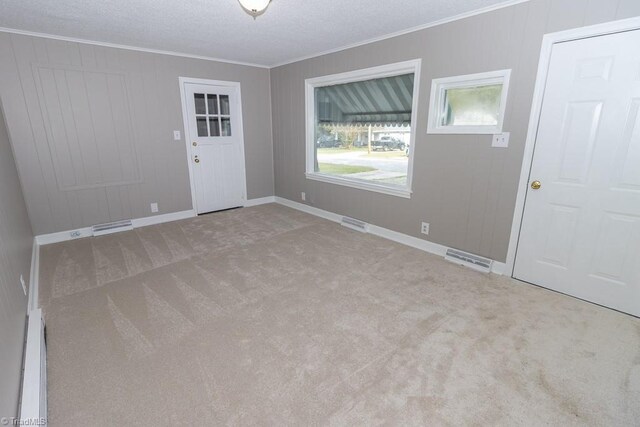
(290,29)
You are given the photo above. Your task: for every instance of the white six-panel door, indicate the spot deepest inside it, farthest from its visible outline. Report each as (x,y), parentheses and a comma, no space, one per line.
(216,146)
(581,229)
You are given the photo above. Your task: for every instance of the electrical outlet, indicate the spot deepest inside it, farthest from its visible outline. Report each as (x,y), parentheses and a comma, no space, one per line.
(425,228)
(176,135)
(303,195)
(75,234)
(500,140)
(24,285)
(154,207)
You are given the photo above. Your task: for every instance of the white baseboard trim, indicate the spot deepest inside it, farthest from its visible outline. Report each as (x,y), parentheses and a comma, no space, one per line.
(34,277)
(62,236)
(33,402)
(499,268)
(260,201)
(159,219)
(414,242)
(309,209)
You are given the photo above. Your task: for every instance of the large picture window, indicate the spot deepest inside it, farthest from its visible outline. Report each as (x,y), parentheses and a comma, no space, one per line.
(359,128)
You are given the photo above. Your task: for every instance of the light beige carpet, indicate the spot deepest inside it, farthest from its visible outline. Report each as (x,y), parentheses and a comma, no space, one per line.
(268,316)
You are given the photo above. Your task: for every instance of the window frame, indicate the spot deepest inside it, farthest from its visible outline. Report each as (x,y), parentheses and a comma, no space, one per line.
(441,85)
(388,70)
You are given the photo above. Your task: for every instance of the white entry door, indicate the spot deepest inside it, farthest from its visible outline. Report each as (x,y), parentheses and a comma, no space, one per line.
(580,231)
(216,146)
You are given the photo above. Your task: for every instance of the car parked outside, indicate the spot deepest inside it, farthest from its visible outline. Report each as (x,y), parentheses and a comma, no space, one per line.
(328,141)
(388,143)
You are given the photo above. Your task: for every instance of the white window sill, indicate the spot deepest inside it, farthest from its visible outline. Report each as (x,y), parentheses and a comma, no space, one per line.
(361,185)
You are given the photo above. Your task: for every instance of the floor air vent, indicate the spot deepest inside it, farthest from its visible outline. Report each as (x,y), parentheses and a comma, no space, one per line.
(355,224)
(469,260)
(112,227)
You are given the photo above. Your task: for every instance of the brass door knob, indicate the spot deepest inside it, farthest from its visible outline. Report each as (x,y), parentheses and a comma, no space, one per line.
(536,185)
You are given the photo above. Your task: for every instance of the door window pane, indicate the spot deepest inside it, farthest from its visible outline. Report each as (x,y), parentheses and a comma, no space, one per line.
(212,114)
(214,126)
(226,126)
(212,103)
(199,100)
(224,105)
(202,126)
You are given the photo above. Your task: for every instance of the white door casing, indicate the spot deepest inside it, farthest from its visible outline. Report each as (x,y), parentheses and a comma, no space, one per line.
(215,144)
(580,232)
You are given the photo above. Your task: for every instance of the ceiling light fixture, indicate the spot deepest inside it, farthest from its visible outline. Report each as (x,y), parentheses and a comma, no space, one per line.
(254,7)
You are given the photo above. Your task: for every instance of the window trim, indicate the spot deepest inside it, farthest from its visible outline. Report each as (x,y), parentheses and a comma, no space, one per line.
(436,102)
(388,70)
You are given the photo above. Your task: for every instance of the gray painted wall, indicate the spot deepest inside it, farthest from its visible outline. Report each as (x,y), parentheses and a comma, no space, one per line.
(77,171)
(15,259)
(464,188)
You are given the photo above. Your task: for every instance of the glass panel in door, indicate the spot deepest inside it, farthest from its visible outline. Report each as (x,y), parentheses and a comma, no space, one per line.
(201,123)
(212,103)
(214,126)
(224,105)
(199,102)
(225,123)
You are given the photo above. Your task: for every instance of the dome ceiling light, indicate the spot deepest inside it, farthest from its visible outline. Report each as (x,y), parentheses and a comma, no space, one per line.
(254,8)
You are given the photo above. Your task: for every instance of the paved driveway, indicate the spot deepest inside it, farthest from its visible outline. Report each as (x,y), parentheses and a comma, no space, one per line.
(360,158)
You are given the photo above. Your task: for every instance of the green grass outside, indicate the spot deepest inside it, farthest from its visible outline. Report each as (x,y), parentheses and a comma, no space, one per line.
(336,169)
(363,150)
(341,150)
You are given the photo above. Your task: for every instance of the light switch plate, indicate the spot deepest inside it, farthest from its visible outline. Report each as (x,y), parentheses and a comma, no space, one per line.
(154,207)
(500,140)
(176,135)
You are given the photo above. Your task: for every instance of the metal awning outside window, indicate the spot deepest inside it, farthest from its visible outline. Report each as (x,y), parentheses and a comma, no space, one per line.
(380,102)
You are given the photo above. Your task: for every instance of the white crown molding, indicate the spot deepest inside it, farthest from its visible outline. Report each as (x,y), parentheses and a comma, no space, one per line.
(407,31)
(279,64)
(128,47)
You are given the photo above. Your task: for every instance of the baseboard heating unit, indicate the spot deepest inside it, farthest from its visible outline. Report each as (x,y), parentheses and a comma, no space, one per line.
(112,227)
(469,260)
(355,224)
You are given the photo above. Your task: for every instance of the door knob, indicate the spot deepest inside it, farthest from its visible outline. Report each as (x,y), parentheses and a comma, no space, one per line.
(536,185)
(195,144)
